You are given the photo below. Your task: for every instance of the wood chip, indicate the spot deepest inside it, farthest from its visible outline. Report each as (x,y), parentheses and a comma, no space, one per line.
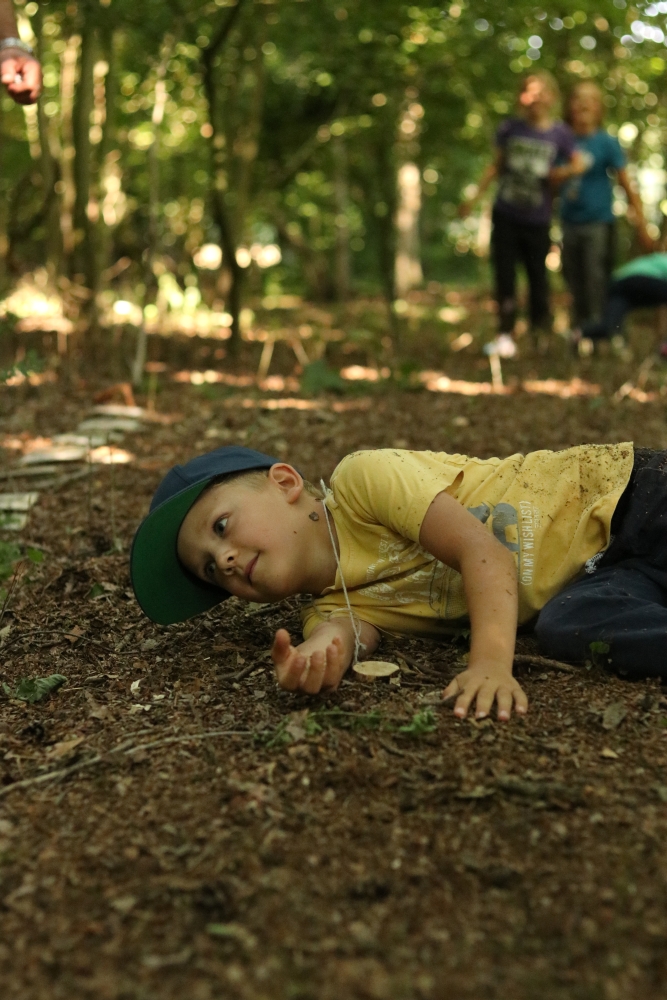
(371,669)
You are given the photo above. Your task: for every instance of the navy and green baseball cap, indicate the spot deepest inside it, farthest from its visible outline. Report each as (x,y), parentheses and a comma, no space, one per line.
(166,591)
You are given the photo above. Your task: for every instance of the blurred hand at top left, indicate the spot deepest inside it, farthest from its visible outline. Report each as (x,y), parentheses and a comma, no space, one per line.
(21,74)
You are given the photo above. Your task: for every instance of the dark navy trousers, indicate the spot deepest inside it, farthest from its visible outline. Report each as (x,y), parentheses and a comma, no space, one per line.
(624,602)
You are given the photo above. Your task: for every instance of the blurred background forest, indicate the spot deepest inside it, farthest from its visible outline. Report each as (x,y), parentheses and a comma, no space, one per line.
(206,168)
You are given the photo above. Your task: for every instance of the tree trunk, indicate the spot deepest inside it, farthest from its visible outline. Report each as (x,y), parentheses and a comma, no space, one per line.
(408,269)
(104,228)
(68,63)
(83,259)
(152,249)
(217,142)
(341,201)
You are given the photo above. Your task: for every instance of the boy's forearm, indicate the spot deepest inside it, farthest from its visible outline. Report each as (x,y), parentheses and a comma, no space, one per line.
(632,194)
(8,27)
(491,589)
(341,628)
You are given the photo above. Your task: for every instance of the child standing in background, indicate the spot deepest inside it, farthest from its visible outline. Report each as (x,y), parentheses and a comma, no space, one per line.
(528,147)
(586,208)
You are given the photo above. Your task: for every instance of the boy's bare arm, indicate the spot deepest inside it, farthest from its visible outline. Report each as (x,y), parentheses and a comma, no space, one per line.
(19,71)
(637,215)
(455,537)
(490,174)
(575,167)
(319,662)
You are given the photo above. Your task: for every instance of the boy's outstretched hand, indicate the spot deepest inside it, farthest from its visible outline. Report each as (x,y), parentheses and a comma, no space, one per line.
(312,666)
(486,686)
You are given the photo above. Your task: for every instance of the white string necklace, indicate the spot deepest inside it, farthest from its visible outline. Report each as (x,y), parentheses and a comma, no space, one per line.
(353,619)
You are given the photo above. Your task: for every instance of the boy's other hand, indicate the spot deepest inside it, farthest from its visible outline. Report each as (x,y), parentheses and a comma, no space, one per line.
(21,74)
(310,667)
(486,686)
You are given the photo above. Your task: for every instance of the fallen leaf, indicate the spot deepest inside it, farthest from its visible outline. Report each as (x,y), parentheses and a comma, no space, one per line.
(165,961)
(32,689)
(609,754)
(123,904)
(613,715)
(478,792)
(63,748)
(234,931)
(74,634)
(134,686)
(295,728)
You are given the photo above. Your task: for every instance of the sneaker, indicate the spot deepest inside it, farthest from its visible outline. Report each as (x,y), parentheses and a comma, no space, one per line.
(503,346)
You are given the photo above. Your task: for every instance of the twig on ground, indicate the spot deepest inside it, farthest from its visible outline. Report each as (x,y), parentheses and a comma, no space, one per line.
(12,587)
(55,631)
(248,669)
(123,747)
(61,481)
(392,749)
(528,660)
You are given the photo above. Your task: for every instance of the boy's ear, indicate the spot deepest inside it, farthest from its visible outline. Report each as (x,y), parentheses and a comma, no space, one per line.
(288,480)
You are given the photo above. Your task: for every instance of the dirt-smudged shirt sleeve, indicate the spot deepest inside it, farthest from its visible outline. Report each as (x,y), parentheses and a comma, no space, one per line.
(552,510)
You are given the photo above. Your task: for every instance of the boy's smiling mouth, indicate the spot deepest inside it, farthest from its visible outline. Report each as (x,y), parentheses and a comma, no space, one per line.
(250,567)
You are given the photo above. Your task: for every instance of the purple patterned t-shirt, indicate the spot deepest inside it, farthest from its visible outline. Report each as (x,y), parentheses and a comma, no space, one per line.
(524,192)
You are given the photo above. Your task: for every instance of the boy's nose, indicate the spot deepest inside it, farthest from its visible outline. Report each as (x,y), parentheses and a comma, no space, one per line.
(228,561)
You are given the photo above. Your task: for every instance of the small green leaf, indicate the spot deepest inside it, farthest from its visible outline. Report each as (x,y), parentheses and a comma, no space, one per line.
(35,555)
(600,653)
(96,590)
(422,723)
(32,689)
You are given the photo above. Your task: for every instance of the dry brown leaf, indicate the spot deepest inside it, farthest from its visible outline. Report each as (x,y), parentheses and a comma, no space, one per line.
(63,748)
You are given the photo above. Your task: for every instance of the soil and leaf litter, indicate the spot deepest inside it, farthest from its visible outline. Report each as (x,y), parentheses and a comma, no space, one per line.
(172,824)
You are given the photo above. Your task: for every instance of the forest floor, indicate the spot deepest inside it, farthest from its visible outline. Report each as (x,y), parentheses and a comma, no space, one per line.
(202,834)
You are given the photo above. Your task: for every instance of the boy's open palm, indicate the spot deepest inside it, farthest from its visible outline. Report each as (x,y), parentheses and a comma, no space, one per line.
(484,686)
(310,667)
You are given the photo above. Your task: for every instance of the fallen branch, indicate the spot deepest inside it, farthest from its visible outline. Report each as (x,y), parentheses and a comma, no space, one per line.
(527,660)
(64,772)
(248,669)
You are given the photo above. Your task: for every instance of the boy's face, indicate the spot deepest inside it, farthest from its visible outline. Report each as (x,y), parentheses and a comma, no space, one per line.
(585,107)
(536,98)
(249,537)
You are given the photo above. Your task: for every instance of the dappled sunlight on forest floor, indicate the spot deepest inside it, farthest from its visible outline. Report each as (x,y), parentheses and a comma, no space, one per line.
(188,830)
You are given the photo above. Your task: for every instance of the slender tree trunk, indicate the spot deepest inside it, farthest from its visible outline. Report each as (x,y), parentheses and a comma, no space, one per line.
(68,63)
(384,196)
(83,106)
(408,262)
(217,142)
(152,249)
(103,231)
(341,201)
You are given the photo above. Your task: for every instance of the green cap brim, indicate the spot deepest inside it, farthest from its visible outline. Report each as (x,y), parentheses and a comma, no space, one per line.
(166,592)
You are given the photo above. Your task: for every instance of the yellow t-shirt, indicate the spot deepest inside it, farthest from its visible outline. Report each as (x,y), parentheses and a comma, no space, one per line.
(552,509)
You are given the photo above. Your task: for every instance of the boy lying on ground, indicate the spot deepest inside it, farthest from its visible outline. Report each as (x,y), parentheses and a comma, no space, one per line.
(410,542)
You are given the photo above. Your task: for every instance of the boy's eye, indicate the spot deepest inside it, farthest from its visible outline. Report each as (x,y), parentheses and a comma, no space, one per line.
(220,526)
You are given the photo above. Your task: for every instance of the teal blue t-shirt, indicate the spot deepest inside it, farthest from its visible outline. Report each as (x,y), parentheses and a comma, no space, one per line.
(653,265)
(588,197)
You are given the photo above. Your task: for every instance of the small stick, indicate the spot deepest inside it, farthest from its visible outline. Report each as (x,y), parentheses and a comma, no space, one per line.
(526,660)
(248,669)
(64,772)
(12,587)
